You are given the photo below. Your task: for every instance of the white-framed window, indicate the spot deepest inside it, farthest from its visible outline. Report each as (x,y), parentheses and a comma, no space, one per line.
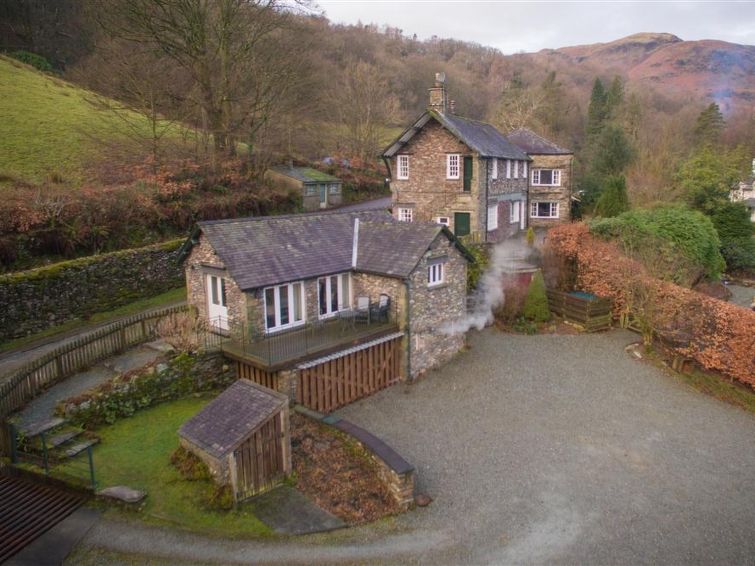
(515,211)
(493,217)
(495,168)
(334,189)
(544,209)
(310,190)
(406,214)
(435,273)
(443,220)
(508,168)
(284,306)
(402,167)
(516,169)
(524,169)
(453,167)
(333,294)
(546,177)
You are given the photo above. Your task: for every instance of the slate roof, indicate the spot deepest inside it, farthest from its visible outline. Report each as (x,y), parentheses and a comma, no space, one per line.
(483,138)
(306,174)
(269,250)
(230,418)
(533,144)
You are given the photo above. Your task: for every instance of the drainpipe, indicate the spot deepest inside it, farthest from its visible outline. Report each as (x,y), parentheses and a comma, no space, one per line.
(487,187)
(408,284)
(355,244)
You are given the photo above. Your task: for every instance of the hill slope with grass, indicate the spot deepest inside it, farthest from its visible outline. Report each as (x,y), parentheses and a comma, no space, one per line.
(49,128)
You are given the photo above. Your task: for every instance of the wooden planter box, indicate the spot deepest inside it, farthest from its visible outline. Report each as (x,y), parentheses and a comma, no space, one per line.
(589,311)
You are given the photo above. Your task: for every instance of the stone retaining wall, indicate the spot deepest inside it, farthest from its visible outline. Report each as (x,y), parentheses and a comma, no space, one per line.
(36,299)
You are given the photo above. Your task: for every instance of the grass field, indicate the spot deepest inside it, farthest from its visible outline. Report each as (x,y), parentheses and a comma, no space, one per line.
(136,452)
(50,127)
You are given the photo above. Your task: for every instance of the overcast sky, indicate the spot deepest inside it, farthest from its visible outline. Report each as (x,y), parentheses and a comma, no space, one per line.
(514,26)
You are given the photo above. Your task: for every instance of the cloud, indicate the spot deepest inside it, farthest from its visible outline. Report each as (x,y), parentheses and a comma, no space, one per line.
(530,26)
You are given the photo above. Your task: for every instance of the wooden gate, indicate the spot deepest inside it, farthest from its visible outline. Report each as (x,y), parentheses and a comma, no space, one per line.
(339,381)
(260,460)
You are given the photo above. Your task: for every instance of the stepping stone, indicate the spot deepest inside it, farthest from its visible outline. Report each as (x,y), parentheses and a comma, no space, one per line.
(59,439)
(37,428)
(289,512)
(123,493)
(81,446)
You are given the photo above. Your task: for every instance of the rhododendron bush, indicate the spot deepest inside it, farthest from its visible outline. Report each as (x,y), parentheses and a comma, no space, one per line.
(718,335)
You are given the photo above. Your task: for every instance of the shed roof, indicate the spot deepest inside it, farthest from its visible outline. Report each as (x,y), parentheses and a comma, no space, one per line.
(533,144)
(269,250)
(481,137)
(230,418)
(305,174)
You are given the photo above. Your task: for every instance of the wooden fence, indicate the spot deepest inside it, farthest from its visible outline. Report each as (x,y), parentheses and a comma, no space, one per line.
(591,312)
(339,381)
(27,382)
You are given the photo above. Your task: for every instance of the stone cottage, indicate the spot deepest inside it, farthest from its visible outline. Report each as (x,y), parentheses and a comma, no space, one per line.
(291,292)
(744,191)
(459,173)
(318,189)
(550,189)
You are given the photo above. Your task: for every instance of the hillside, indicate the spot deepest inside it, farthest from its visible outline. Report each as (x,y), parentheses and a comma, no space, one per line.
(706,69)
(50,128)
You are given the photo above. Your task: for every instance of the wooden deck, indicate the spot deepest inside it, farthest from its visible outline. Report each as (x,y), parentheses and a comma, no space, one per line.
(285,349)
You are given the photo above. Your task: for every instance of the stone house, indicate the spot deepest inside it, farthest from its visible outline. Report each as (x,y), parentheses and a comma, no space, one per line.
(744,192)
(458,172)
(318,190)
(291,292)
(550,188)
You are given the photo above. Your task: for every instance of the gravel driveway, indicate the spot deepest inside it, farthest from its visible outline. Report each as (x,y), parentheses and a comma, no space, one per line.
(536,449)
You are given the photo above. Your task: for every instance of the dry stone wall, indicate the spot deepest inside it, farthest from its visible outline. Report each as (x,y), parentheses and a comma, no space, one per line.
(36,299)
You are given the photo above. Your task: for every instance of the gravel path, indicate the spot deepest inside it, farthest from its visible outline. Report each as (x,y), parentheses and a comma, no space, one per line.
(536,449)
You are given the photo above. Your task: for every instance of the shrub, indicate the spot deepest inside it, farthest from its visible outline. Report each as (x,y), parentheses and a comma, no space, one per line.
(536,303)
(732,222)
(675,242)
(221,498)
(36,61)
(511,308)
(476,269)
(613,200)
(530,236)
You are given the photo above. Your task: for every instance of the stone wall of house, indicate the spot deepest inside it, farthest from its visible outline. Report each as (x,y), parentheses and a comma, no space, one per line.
(203,261)
(560,194)
(36,299)
(427,191)
(219,467)
(432,308)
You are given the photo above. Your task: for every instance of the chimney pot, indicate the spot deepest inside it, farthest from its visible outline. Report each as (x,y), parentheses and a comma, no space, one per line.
(452,106)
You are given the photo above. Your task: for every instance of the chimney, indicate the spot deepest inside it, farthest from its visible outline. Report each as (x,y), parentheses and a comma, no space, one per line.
(452,106)
(753,165)
(438,94)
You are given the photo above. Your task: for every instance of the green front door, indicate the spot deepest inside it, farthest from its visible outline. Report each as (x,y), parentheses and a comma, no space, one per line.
(461,223)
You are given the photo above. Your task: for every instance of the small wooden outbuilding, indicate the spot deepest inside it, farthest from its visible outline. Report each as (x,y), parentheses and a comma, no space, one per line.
(318,189)
(243,436)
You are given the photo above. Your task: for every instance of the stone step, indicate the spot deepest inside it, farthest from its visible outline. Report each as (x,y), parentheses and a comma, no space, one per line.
(63,437)
(37,428)
(81,446)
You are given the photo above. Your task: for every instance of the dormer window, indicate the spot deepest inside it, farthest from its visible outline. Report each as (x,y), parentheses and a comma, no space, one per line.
(402,168)
(453,168)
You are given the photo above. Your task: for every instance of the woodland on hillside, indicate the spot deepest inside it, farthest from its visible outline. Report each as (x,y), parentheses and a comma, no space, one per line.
(261,81)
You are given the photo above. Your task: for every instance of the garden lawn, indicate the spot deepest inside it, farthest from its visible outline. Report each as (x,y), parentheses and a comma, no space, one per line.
(136,452)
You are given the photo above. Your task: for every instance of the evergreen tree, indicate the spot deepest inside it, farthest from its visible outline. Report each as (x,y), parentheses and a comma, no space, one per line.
(536,303)
(615,97)
(613,199)
(597,111)
(735,230)
(710,124)
(706,178)
(612,152)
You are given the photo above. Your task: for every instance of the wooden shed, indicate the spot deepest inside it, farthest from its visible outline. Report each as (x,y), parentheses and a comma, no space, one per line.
(243,437)
(318,189)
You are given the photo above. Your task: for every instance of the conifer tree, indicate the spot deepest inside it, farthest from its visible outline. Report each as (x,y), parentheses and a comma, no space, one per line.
(710,124)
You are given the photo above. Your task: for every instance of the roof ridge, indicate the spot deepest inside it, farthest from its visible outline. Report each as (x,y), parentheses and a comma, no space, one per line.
(293,215)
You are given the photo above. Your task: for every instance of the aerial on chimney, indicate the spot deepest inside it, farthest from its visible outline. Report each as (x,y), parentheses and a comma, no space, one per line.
(452,106)
(438,94)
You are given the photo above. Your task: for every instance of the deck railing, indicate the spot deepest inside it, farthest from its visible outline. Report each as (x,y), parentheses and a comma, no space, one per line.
(302,341)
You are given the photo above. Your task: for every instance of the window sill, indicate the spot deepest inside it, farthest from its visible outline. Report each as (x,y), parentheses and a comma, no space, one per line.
(435,286)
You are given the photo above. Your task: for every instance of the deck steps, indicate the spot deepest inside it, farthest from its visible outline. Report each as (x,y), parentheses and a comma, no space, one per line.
(63,437)
(40,427)
(81,446)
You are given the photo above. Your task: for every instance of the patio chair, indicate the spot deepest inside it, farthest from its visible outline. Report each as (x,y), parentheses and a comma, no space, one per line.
(362,311)
(380,311)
